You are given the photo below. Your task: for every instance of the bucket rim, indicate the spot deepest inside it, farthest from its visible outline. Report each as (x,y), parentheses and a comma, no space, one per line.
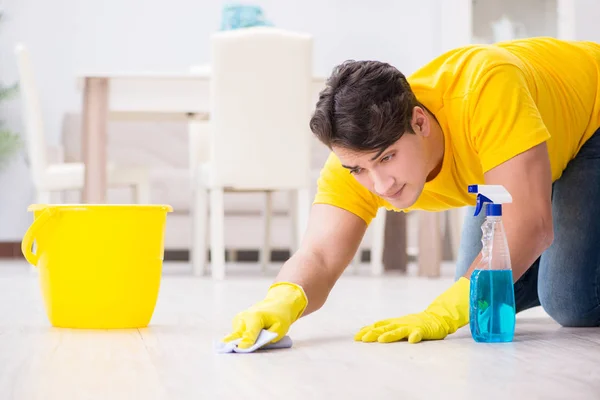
(83,206)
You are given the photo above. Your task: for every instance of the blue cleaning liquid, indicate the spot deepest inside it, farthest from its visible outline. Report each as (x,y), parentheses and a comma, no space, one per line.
(492,306)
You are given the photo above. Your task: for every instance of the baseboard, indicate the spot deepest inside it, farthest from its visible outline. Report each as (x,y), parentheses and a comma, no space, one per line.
(240,255)
(247,255)
(12,250)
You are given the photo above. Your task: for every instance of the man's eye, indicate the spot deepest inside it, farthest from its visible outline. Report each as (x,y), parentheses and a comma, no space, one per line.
(356,171)
(387,158)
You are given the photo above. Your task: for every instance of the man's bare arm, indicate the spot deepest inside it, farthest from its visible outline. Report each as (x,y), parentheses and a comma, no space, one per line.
(329,244)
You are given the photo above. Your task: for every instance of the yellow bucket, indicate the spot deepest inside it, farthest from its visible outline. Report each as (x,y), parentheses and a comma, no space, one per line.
(99,265)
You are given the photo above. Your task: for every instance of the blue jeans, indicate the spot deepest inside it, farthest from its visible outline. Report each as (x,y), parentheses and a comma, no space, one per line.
(565,279)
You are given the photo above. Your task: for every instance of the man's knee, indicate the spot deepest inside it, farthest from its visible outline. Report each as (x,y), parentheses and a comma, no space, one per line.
(572,310)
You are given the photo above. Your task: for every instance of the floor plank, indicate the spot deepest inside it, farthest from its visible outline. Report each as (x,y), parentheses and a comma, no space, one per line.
(174,358)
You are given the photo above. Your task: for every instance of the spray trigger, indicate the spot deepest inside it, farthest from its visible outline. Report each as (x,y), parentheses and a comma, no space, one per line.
(495,195)
(481,199)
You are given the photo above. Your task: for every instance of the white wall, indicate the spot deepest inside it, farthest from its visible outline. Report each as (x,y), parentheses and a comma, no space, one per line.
(532,17)
(566,19)
(579,19)
(67,36)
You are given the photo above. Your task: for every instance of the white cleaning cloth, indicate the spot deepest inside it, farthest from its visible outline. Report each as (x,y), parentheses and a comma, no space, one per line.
(264,337)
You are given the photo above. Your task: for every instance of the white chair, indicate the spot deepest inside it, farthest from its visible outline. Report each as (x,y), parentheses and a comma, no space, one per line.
(377,231)
(60,177)
(259,136)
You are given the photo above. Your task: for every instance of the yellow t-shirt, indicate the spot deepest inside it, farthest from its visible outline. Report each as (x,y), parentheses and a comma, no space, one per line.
(492,102)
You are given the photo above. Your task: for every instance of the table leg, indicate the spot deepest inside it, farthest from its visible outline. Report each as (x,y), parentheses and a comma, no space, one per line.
(95,115)
(430,244)
(395,257)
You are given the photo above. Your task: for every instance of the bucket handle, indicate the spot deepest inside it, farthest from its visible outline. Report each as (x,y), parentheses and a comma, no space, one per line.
(27,242)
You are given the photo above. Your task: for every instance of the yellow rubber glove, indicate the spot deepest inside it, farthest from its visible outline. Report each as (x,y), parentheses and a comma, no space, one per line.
(447,313)
(283,305)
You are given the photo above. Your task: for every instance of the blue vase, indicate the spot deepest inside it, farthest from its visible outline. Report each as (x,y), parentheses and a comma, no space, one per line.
(237,16)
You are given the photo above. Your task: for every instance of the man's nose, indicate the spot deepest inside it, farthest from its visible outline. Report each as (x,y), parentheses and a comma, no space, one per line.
(382,184)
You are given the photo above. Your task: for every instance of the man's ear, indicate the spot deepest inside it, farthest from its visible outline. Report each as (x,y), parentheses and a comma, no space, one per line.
(420,123)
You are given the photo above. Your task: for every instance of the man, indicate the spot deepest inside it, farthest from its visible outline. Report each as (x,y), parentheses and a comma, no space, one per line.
(523,114)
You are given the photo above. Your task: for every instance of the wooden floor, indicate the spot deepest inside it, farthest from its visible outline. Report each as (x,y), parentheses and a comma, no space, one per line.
(174,357)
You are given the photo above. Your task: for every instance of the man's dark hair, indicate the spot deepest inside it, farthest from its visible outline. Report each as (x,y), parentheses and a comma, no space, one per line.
(365,106)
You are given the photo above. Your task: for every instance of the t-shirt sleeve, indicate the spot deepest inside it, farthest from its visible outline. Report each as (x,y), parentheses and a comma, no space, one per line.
(337,187)
(504,120)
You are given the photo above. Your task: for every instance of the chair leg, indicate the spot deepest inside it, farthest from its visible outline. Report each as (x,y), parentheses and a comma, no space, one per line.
(303,211)
(217,240)
(378,226)
(265,253)
(357,259)
(293,214)
(44,197)
(60,197)
(199,231)
(430,244)
(142,193)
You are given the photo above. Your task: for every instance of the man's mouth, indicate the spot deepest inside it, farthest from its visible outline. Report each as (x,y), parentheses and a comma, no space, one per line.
(397,194)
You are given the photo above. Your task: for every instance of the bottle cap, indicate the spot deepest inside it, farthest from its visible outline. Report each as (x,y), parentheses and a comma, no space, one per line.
(493,210)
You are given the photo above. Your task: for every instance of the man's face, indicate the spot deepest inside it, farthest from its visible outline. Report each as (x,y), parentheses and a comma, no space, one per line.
(397,174)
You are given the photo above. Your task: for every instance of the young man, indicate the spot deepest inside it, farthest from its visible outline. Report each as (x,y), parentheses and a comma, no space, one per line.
(523,114)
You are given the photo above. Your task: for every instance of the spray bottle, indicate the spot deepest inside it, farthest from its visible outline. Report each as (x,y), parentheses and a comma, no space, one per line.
(492,296)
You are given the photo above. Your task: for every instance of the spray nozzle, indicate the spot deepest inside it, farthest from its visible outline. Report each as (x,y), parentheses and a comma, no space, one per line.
(493,195)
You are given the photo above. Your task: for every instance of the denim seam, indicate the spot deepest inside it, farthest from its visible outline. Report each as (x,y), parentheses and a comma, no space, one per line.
(597,297)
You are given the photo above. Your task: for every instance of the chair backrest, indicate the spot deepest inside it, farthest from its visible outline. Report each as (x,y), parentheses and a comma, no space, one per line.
(32,114)
(260,95)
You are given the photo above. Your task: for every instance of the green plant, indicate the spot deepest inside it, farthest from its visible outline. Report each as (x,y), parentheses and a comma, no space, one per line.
(9,141)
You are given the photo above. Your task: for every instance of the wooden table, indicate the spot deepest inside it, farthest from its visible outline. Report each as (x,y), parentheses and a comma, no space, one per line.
(143,95)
